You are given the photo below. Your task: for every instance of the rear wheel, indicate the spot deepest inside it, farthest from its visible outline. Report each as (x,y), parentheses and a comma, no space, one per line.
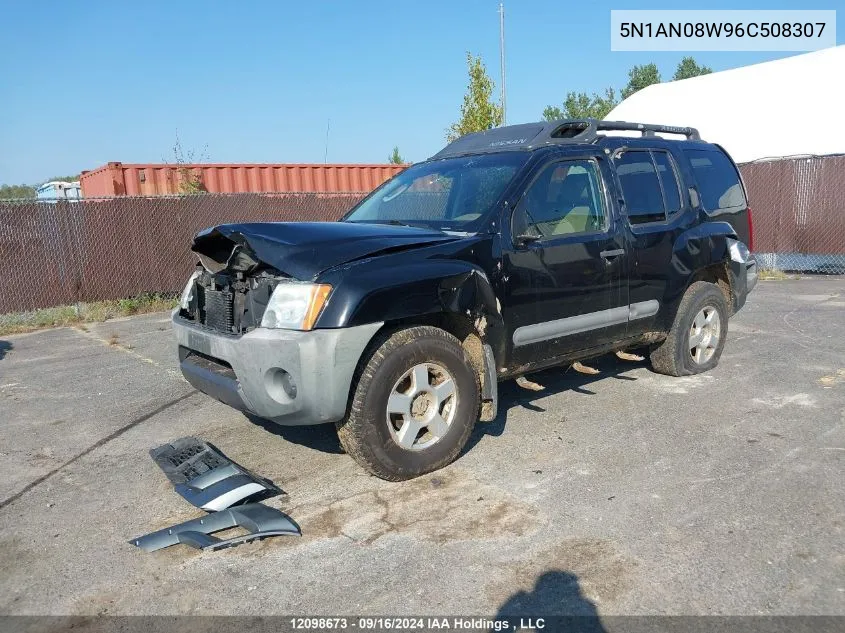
(414,406)
(698,334)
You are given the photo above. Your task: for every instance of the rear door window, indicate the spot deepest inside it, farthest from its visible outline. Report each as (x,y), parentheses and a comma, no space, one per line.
(669,180)
(640,187)
(717,179)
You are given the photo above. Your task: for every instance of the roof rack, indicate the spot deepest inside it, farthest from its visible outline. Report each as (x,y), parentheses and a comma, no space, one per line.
(587,130)
(528,136)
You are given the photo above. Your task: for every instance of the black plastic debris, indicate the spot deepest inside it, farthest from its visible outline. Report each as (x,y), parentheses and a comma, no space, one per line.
(206,478)
(259,520)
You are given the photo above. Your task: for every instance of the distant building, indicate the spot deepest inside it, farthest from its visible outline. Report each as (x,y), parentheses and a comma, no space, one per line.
(58,190)
(787,107)
(119,179)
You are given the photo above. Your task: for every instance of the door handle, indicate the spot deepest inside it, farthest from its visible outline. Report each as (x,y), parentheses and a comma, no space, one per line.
(609,255)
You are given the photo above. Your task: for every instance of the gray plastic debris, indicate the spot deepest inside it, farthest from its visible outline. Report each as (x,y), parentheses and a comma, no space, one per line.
(206,478)
(259,520)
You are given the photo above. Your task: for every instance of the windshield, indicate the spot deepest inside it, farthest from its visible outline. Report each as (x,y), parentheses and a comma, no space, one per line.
(450,194)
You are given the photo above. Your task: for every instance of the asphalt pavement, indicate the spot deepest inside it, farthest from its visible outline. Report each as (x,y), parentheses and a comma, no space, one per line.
(626,492)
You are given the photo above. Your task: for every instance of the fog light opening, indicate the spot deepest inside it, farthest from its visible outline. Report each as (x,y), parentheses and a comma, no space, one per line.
(280,385)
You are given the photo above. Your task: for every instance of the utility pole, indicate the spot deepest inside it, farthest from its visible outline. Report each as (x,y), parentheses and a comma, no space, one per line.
(502,62)
(328,127)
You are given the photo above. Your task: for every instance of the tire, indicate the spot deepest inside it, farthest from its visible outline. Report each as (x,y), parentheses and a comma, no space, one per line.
(702,307)
(395,391)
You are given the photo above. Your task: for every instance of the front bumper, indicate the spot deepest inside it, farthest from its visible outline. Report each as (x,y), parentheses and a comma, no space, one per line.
(286,376)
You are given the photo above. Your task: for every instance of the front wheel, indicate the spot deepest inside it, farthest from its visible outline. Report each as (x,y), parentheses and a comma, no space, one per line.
(698,335)
(414,404)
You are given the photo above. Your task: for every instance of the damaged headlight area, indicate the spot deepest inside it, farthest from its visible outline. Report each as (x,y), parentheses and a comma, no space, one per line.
(188,293)
(228,303)
(295,305)
(235,303)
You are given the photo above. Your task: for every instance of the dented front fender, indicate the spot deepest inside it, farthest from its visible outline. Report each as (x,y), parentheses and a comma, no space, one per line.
(381,292)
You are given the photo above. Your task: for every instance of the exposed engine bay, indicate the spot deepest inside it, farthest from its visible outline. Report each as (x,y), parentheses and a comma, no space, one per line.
(230,302)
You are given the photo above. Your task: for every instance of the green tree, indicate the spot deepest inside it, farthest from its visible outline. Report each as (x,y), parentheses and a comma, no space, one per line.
(639,77)
(12,192)
(688,67)
(478,112)
(64,178)
(396,158)
(580,105)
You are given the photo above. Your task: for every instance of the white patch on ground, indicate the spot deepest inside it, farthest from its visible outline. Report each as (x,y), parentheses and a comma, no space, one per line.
(682,385)
(737,328)
(779,402)
(813,298)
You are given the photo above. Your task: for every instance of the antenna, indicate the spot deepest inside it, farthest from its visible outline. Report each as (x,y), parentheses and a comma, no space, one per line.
(328,127)
(502,61)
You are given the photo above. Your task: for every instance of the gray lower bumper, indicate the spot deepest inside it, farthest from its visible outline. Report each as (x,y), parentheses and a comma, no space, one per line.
(286,376)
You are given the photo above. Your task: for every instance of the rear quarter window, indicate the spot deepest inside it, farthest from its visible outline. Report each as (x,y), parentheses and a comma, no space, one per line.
(716,178)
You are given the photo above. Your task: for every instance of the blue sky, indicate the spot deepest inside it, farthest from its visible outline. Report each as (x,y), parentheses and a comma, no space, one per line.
(89,82)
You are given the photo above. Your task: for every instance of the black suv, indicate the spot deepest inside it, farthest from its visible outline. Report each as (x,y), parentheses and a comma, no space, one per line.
(511,250)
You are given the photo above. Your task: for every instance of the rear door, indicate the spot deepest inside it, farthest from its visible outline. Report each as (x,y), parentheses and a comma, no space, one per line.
(565,270)
(656,212)
(719,186)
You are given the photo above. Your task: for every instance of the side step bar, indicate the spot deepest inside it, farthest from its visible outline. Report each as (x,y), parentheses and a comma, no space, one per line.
(259,520)
(206,478)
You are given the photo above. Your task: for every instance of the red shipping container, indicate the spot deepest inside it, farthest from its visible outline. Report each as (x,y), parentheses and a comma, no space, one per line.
(118,179)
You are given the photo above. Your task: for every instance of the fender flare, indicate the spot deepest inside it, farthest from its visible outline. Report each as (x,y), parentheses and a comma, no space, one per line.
(694,250)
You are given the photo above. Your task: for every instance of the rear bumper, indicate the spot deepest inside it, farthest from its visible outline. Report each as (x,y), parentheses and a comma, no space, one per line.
(751,275)
(286,376)
(744,279)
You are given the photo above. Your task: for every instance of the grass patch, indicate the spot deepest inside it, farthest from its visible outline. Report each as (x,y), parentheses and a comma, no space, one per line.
(772,274)
(97,311)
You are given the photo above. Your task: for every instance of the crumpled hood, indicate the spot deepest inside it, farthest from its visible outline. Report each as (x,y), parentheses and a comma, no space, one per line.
(303,249)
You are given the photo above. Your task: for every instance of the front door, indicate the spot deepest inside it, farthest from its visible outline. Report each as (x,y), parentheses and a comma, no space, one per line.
(565,276)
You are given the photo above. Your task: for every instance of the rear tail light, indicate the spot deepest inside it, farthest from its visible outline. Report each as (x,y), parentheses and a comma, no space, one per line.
(750,231)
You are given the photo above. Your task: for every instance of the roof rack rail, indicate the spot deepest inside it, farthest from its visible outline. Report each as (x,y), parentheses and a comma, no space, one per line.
(528,136)
(587,130)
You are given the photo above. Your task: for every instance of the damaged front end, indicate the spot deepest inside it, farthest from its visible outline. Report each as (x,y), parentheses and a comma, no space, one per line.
(244,264)
(230,301)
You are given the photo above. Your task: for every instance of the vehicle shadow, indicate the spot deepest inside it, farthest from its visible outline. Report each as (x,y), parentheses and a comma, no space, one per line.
(556,598)
(320,437)
(5,346)
(554,380)
(323,437)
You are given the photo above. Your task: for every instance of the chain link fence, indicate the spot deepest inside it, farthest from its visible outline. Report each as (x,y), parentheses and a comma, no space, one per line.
(799,213)
(64,253)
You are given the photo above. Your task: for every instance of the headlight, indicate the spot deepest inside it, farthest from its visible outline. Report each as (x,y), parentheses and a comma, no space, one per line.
(188,292)
(295,306)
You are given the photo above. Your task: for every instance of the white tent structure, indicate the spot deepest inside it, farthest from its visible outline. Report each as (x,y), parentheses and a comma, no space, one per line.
(787,107)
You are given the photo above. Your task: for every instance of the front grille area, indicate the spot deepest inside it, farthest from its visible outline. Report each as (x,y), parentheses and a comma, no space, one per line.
(219,311)
(231,306)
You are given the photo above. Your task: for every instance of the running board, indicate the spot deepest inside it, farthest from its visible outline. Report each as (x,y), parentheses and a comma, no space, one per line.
(259,520)
(206,478)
